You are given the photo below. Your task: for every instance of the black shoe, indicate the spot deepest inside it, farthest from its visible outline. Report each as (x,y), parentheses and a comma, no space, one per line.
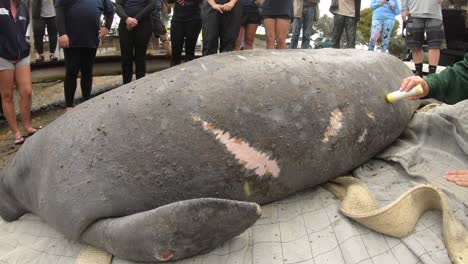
(420,74)
(53,58)
(40,59)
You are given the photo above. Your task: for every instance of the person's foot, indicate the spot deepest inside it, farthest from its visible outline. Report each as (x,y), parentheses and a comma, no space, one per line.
(40,59)
(29,131)
(68,109)
(18,139)
(167,48)
(52,57)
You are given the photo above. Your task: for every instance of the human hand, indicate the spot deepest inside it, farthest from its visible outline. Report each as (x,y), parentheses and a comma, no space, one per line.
(410,82)
(64,42)
(228,6)
(404,16)
(258,2)
(132,22)
(103,32)
(218,7)
(459,177)
(392,5)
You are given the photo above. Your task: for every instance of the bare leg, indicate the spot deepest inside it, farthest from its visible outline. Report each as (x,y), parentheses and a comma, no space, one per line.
(7,78)
(418,55)
(270,28)
(23,80)
(249,36)
(239,38)
(282,27)
(434,55)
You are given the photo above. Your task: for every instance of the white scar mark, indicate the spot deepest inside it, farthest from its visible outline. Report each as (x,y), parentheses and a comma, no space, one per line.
(335,125)
(204,67)
(247,156)
(242,57)
(370,115)
(362,137)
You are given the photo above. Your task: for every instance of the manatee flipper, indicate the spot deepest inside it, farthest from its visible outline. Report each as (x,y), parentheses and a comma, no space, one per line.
(174,231)
(10,209)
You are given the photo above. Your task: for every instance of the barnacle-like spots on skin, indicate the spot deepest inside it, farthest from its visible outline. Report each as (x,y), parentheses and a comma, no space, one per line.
(246,155)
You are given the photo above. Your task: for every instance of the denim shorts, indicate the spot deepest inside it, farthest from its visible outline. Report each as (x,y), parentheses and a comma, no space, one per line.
(8,65)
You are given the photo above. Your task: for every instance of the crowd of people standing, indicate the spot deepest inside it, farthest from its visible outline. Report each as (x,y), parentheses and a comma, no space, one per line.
(226,25)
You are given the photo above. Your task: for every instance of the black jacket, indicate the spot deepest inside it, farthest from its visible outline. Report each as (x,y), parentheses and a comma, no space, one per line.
(36,6)
(13,43)
(357,4)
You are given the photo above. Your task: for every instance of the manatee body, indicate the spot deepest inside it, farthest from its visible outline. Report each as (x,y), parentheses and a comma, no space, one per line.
(172,165)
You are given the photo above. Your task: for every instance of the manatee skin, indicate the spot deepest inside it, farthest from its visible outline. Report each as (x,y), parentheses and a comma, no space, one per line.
(251,126)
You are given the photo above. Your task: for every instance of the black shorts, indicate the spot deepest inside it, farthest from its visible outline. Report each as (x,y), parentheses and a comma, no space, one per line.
(252,18)
(415,28)
(278,17)
(158,27)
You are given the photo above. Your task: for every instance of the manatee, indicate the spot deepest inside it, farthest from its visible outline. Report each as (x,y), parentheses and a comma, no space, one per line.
(174,164)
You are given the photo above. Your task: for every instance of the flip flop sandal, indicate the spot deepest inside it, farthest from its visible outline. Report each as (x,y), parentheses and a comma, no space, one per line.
(19,141)
(32,133)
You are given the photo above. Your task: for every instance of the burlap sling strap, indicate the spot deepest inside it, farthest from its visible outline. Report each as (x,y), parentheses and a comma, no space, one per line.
(399,218)
(92,255)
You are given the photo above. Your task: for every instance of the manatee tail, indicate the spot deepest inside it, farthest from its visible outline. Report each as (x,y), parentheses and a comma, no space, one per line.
(174,231)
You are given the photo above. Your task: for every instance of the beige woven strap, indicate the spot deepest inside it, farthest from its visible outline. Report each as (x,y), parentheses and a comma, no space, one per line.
(428,107)
(92,255)
(399,218)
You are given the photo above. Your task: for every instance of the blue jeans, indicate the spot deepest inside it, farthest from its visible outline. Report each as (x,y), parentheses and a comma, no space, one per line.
(304,23)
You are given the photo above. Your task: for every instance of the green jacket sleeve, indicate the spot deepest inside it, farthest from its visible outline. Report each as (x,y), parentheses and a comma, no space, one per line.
(450,85)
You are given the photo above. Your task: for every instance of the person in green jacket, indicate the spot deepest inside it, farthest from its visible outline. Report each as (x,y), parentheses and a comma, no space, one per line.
(449,86)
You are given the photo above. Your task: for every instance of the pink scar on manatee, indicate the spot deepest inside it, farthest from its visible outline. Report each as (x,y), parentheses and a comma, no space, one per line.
(166,255)
(246,155)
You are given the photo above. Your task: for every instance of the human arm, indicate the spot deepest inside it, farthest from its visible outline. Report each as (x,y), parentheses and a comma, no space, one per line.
(377,3)
(150,7)
(397,8)
(120,10)
(404,10)
(61,23)
(108,18)
(449,86)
